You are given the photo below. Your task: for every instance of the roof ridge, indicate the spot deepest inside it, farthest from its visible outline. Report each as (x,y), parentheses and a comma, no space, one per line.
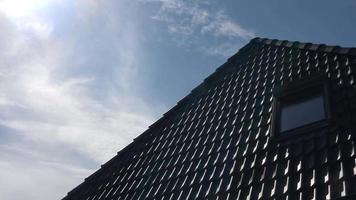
(306,45)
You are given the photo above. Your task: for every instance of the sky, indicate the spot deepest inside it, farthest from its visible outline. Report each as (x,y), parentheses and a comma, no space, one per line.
(79,80)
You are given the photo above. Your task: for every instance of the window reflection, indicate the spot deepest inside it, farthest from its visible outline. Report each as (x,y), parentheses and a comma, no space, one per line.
(309,110)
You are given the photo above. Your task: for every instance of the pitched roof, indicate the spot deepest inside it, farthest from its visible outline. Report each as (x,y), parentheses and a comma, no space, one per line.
(216,144)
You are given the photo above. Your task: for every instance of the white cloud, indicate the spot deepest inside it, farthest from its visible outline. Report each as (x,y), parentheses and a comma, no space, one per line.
(223,26)
(67,85)
(192,20)
(64,107)
(25,177)
(19,8)
(224,49)
(26,15)
(54,112)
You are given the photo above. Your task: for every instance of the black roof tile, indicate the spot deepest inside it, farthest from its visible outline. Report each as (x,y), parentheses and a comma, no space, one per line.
(216,142)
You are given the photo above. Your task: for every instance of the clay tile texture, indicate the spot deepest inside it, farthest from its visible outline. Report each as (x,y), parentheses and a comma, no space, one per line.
(218,143)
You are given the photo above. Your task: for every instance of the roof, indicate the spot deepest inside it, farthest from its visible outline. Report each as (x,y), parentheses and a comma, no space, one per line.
(216,142)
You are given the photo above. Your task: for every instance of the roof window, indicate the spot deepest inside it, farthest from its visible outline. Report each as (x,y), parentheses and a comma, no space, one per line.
(300,107)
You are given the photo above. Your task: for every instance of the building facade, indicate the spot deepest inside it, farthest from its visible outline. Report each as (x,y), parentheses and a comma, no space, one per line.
(276,121)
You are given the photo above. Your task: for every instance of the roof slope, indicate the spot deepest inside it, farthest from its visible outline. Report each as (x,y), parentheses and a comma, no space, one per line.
(215,143)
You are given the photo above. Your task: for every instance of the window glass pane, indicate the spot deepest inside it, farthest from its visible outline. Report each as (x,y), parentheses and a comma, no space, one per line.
(301,113)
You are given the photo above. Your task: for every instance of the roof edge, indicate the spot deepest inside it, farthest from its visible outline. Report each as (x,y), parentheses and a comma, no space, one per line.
(307,46)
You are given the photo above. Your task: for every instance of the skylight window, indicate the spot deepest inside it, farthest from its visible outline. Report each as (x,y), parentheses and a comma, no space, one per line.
(305,111)
(299,108)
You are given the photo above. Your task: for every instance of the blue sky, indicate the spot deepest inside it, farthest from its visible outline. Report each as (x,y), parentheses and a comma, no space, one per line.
(80,79)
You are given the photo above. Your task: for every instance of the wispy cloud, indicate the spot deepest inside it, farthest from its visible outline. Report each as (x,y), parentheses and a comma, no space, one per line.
(25,177)
(225,49)
(220,25)
(66,100)
(189,21)
(69,82)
